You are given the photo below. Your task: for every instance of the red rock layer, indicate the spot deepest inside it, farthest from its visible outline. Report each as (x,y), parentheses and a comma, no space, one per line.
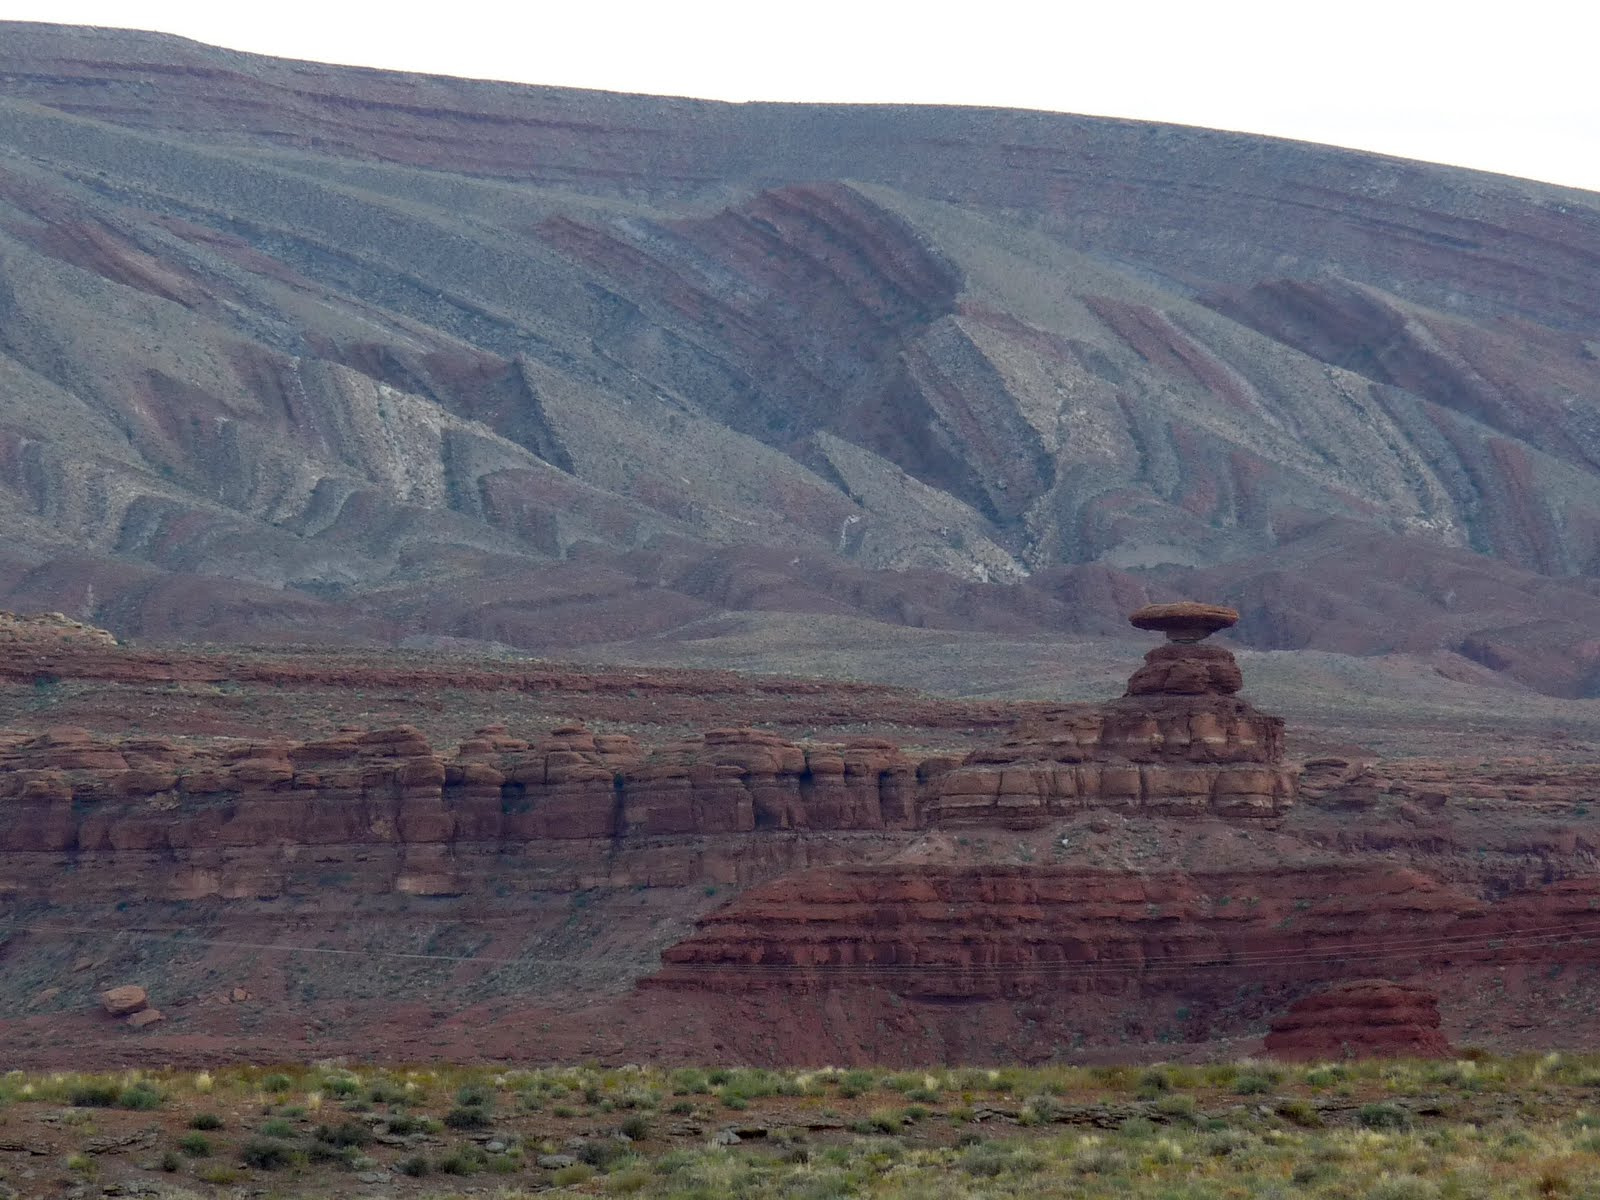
(228,817)
(1169,755)
(998,931)
(1368,1018)
(232,820)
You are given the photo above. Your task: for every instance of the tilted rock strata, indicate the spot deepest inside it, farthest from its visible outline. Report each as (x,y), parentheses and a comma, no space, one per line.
(680,326)
(1367,1018)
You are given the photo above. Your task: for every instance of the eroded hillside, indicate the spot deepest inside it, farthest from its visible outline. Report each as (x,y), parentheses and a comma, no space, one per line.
(302,352)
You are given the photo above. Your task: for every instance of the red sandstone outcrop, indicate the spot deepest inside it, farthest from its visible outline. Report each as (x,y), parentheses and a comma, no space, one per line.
(1177,744)
(51,629)
(1367,1018)
(1181,669)
(231,814)
(124,1000)
(1184,620)
(1004,931)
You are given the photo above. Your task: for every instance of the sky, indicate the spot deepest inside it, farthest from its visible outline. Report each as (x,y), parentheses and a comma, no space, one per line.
(1505,87)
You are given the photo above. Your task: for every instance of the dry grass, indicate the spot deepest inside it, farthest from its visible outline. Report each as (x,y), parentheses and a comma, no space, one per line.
(1402,1130)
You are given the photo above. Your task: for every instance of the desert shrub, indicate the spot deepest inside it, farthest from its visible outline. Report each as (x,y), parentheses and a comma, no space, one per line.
(415,1167)
(323,1152)
(1402,1187)
(1040,1110)
(885,1120)
(463,1160)
(342,1086)
(277,1128)
(170,1161)
(625,1183)
(1177,1107)
(219,1175)
(403,1123)
(988,1160)
(276,1084)
(266,1154)
(1100,1160)
(1137,1128)
(386,1091)
(1252,1083)
(205,1120)
(1220,1143)
(689,1083)
(467,1116)
(1156,1079)
(93,1093)
(141,1097)
(1300,1112)
(602,1152)
(637,1126)
(1383,1115)
(576,1173)
(345,1133)
(195,1145)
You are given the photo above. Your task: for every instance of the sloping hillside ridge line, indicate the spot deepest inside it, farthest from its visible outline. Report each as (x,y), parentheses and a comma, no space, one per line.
(297,352)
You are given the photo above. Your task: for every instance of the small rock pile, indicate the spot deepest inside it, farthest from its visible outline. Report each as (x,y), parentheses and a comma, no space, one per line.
(130,1002)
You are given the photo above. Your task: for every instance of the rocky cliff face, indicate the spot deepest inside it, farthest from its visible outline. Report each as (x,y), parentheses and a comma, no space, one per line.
(294,351)
(1365,1018)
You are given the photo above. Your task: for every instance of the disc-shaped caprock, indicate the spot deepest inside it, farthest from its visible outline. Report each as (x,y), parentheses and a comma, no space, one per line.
(1184,620)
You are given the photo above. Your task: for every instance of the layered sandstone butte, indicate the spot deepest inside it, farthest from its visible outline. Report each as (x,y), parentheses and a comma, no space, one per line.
(231,819)
(1369,1018)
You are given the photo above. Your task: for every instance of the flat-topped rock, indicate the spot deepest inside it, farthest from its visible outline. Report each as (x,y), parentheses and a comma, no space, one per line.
(1184,620)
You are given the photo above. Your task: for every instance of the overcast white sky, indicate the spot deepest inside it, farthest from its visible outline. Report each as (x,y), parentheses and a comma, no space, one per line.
(1507,87)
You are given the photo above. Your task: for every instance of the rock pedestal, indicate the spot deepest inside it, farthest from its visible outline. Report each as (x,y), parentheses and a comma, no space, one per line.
(1178,743)
(1183,667)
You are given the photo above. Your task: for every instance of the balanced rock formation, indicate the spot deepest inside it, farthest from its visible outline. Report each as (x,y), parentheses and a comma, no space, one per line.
(1184,621)
(1367,1018)
(1178,743)
(1182,667)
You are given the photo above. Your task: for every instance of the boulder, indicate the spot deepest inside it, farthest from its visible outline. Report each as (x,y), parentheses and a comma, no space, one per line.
(125,999)
(145,1017)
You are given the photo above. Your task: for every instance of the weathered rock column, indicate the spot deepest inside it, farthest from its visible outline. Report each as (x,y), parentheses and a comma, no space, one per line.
(1178,743)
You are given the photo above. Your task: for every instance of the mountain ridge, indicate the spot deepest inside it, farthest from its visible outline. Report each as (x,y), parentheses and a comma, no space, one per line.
(290,350)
